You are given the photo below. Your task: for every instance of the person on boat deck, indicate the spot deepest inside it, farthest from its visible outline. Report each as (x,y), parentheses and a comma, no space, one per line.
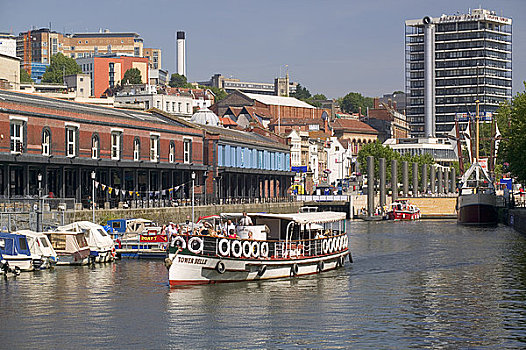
(230,226)
(171,230)
(232,233)
(245,220)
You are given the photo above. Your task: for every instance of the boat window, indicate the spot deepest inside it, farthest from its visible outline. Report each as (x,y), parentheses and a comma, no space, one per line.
(102,232)
(116,224)
(44,242)
(58,242)
(81,240)
(22,242)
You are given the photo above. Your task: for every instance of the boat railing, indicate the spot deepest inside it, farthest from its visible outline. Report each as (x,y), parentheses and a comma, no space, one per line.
(214,246)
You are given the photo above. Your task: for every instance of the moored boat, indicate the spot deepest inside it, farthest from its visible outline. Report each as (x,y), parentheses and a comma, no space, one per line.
(273,246)
(15,252)
(477,201)
(43,255)
(403,210)
(138,238)
(71,247)
(100,243)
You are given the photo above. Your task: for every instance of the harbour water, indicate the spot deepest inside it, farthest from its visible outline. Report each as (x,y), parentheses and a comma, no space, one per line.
(412,285)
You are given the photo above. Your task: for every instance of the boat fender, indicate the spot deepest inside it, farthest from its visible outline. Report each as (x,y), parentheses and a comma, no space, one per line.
(261,270)
(294,270)
(350,258)
(236,248)
(264,249)
(16,270)
(321,266)
(179,242)
(339,262)
(224,247)
(247,249)
(254,247)
(342,260)
(325,246)
(191,245)
(220,267)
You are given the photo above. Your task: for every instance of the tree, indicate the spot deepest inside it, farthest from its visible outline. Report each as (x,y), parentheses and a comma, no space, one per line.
(301,93)
(511,119)
(178,80)
(60,66)
(132,76)
(352,102)
(24,76)
(219,93)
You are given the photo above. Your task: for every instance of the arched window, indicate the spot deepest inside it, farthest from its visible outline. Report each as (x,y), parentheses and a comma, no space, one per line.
(136,149)
(46,142)
(95,146)
(171,155)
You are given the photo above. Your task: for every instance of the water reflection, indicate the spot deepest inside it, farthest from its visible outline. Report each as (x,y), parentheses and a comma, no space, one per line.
(413,285)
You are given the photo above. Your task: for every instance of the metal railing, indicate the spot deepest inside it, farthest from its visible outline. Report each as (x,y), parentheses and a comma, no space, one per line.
(276,249)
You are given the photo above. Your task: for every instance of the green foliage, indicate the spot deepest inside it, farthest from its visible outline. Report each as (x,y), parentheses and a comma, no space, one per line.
(132,76)
(219,92)
(352,102)
(178,80)
(24,76)
(512,124)
(301,93)
(60,66)
(377,150)
(316,100)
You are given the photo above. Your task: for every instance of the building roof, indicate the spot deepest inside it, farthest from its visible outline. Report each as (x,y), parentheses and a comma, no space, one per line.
(279,100)
(76,107)
(353,125)
(204,116)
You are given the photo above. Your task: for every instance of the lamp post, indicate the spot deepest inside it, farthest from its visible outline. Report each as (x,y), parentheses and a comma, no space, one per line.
(93,174)
(40,218)
(193,196)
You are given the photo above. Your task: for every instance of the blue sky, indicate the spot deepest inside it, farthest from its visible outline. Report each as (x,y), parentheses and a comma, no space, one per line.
(331,47)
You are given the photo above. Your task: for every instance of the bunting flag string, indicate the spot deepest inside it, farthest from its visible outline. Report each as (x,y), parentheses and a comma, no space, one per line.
(119,191)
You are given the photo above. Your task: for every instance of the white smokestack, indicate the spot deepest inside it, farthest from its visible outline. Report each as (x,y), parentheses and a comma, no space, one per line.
(181,54)
(429,77)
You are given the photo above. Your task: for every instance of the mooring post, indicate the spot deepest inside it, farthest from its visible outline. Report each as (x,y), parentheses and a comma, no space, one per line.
(433,182)
(424,178)
(415,179)
(394,180)
(382,181)
(405,178)
(370,185)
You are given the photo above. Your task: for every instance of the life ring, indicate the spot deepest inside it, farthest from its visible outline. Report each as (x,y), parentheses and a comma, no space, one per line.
(254,248)
(236,248)
(181,241)
(344,242)
(321,266)
(224,252)
(261,270)
(264,250)
(331,245)
(220,267)
(325,246)
(294,269)
(337,244)
(247,249)
(168,263)
(199,249)
(340,242)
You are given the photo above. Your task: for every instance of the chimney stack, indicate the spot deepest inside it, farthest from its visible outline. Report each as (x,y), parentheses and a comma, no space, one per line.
(181,53)
(429,77)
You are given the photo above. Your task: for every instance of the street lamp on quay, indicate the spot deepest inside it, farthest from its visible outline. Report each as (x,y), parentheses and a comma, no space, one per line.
(93,174)
(193,197)
(41,204)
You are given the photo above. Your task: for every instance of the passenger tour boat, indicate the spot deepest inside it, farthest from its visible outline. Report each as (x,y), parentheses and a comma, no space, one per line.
(269,246)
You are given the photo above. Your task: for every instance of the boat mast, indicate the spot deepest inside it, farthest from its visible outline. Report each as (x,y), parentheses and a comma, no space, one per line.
(477,121)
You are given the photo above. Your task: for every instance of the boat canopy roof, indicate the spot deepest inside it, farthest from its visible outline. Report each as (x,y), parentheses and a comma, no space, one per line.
(300,218)
(475,176)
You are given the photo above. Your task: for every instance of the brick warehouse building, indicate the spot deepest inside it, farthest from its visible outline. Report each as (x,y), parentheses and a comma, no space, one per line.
(139,153)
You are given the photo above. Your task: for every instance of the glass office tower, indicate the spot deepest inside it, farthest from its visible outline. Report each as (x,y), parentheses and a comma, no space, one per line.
(472,61)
